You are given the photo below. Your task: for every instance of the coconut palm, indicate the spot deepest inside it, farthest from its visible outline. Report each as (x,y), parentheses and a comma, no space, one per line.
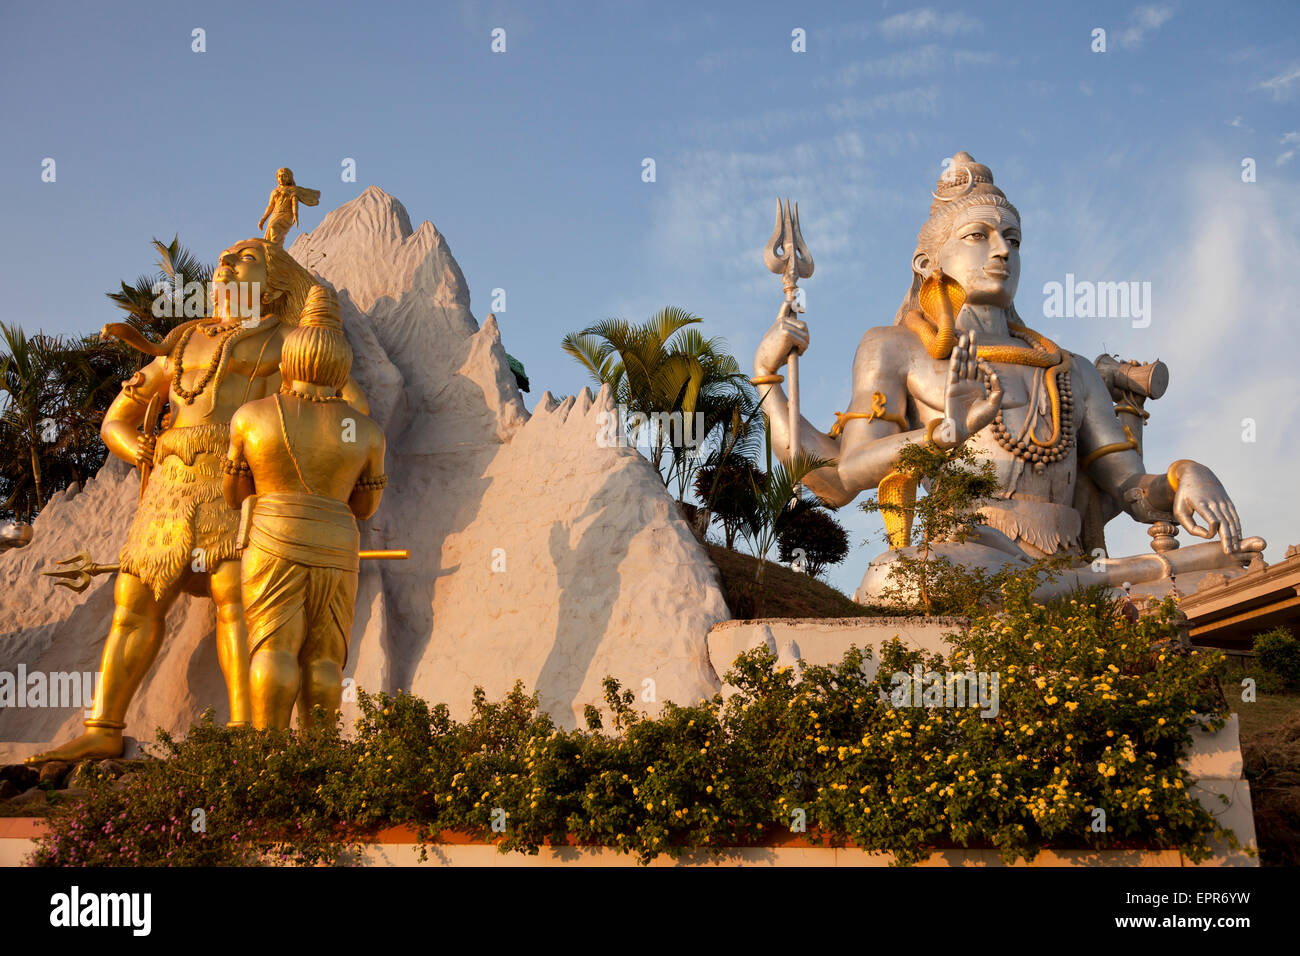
(33,415)
(54,391)
(776,498)
(660,368)
(177,268)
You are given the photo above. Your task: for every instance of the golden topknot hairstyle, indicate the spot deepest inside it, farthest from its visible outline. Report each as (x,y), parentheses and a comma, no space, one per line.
(317,351)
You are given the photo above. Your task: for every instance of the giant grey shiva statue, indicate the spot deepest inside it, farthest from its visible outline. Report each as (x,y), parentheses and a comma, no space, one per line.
(959,365)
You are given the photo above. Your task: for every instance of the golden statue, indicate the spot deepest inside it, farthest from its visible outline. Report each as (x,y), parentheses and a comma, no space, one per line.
(282,207)
(302,466)
(183,537)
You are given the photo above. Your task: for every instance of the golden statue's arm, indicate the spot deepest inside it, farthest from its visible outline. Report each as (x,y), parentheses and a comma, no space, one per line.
(364,501)
(120,429)
(237,483)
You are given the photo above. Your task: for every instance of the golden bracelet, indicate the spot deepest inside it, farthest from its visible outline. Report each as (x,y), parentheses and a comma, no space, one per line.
(1133,410)
(842,417)
(1172,474)
(767,380)
(1111,449)
(372,484)
(231,467)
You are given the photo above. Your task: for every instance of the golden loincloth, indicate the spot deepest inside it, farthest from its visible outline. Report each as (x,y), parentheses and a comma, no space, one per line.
(182,510)
(301,561)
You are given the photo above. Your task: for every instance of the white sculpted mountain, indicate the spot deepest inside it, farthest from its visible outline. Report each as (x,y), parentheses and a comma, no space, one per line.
(536,554)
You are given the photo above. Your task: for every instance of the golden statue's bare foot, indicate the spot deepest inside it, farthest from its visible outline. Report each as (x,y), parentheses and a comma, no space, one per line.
(97,743)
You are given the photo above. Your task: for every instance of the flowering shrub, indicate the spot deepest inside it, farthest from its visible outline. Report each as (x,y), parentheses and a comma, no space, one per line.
(221,797)
(1092,714)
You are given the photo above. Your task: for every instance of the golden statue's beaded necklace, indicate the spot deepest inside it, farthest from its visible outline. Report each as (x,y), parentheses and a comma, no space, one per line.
(189,395)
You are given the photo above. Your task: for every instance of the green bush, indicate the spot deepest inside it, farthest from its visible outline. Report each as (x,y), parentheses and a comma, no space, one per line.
(1278,654)
(1093,712)
(221,797)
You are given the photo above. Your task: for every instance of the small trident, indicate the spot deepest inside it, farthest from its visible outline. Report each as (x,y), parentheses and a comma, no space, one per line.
(79,569)
(788,256)
(77,577)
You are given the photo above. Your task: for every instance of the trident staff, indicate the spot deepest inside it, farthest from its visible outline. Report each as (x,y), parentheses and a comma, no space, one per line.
(786,255)
(77,570)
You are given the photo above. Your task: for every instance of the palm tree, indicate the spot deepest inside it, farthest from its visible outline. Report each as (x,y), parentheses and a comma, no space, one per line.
(33,414)
(177,268)
(664,368)
(735,441)
(54,391)
(777,502)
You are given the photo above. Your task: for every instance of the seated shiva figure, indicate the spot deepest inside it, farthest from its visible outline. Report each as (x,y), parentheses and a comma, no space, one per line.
(959,365)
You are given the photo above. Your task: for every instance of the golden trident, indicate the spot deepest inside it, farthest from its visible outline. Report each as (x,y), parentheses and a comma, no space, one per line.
(788,256)
(79,569)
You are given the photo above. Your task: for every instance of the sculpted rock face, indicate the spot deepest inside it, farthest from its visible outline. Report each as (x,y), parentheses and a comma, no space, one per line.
(535,554)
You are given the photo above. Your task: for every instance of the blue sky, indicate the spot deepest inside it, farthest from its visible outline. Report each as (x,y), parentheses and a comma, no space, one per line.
(1126,166)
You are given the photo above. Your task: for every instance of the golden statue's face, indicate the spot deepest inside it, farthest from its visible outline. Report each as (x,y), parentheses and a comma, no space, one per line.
(983,254)
(239,283)
(243,262)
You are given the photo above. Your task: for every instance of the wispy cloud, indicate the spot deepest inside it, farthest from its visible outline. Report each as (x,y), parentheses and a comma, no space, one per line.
(919,61)
(918,101)
(1282,86)
(719,202)
(1291,139)
(1144,21)
(964,58)
(927,21)
(927,61)
(773,124)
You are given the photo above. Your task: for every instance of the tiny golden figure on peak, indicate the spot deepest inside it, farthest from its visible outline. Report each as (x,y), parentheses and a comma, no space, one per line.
(302,466)
(282,207)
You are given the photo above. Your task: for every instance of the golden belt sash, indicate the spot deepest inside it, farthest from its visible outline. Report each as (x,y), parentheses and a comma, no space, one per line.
(307,529)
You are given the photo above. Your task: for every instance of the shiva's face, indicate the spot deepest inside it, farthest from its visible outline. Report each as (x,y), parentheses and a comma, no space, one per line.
(242,262)
(240,281)
(983,254)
